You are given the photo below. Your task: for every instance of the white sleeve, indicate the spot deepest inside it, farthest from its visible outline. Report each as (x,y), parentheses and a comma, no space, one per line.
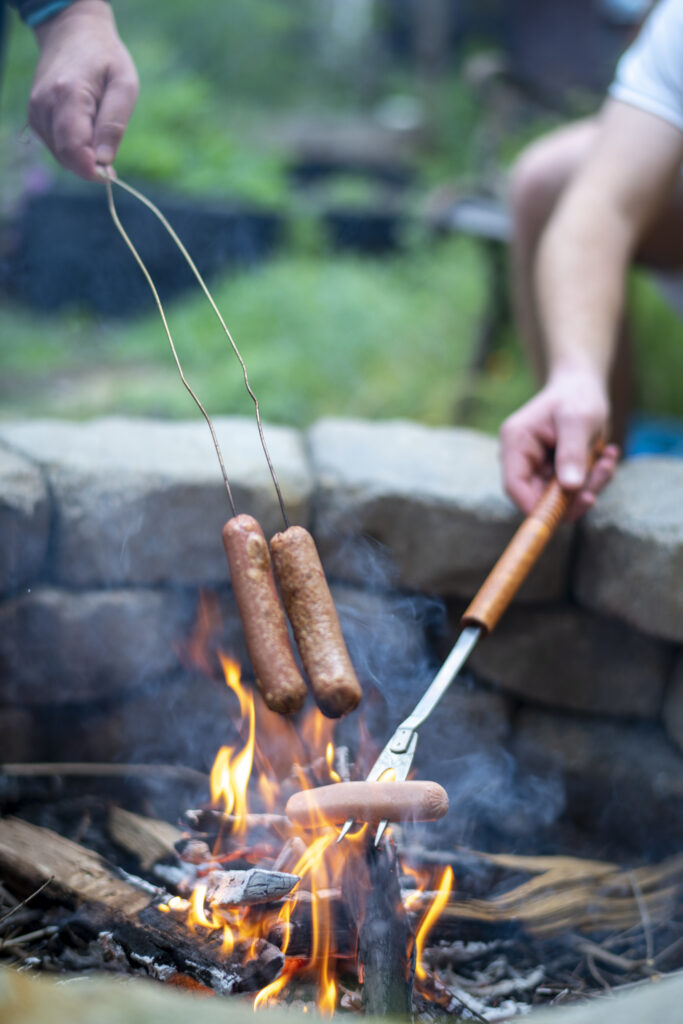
(650,74)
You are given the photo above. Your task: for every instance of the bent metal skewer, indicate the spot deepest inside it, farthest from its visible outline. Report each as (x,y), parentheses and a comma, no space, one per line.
(109,180)
(308,601)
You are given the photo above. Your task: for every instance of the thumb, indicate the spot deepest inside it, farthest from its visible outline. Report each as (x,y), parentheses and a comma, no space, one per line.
(572,453)
(113,115)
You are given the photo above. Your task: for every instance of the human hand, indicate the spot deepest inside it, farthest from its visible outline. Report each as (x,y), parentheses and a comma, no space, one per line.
(85,87)
(556,431)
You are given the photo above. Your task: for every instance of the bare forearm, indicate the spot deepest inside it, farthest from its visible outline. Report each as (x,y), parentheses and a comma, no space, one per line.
(580,279)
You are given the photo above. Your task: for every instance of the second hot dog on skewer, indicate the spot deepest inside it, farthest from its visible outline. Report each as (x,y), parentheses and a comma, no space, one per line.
(263,618)
(315,622)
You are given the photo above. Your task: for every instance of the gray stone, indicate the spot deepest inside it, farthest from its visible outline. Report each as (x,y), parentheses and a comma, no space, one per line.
(143,502)
(469,719)
(655,1002)
(672,712)
(58,646)
(20,737)
(568,658)
(631,548)
(24,520)
(623,780)
(181,720)
(432,496)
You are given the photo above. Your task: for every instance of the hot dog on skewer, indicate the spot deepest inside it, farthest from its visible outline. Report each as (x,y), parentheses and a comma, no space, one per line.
(367,801)
(315,622)
(263,618)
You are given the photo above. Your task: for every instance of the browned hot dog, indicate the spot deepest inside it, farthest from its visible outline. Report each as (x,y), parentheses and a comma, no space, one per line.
(263,618)
(315,622)
(367,801)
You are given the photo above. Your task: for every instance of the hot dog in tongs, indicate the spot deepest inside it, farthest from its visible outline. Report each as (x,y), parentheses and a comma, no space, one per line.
(311,611)
(315,622)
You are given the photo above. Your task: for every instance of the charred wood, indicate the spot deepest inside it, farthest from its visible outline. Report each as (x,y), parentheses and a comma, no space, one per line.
(386,955)
(120,918)
(148,839)
(244,888)
(210,822)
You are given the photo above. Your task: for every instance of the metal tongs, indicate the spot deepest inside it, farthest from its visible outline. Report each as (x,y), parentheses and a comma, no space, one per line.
(480,618)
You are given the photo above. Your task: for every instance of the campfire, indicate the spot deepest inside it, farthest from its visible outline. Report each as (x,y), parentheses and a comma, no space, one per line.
(255,877)
(241,899)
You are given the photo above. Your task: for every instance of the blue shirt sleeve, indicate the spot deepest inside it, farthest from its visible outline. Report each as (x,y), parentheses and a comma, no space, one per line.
(33,12)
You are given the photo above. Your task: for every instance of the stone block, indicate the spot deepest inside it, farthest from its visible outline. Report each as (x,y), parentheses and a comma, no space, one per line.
(623,780)
(184,719)
(672,712)
(631,548)
(24,521)
(568,658)
(58,646)
(143,502)
(20,736)
(431,496)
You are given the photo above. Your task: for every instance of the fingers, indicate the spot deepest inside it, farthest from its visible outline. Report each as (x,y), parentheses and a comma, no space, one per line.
(85,87)
(527,438)
(68,128)
(560,424)
(576,437)
(116,106)
(82,123)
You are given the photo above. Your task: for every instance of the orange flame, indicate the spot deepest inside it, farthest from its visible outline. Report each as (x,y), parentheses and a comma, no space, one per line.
(305,754)
(444,891)
(329,758)
(230,774)
(197,913)
(267,995)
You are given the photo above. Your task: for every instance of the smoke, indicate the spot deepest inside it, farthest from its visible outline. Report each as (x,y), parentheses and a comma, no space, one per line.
(394,638)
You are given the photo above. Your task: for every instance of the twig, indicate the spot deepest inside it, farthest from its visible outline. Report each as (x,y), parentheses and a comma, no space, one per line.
(595,973)
(622,963)
(7,896)
(644,916)
(21,940)
(23,903)
(104,769)
(669,953)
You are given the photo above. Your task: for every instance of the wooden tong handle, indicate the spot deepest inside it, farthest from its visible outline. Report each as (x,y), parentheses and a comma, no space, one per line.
(514,565)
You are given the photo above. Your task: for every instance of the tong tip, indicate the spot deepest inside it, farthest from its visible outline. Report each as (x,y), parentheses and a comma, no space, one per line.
(380,831)
(348,825)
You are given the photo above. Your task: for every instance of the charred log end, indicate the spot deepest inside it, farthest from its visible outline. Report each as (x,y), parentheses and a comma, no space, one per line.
(386,957)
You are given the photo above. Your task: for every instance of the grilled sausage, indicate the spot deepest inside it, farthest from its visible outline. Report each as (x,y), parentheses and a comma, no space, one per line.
(367,801)
(314,620)
(263,618)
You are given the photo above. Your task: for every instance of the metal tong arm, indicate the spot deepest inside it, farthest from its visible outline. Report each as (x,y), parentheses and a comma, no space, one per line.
(398,753)
(461,651)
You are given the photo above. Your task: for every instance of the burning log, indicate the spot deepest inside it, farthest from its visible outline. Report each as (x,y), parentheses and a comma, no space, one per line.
(147,839)
(119,916)
(209,823)
(297,933)
(244,888)
(290,853)
(384,936)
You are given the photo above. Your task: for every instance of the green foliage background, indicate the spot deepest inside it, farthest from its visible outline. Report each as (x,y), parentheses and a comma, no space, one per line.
(322,334)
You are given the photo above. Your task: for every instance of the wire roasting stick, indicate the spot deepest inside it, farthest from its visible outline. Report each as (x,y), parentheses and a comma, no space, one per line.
(480,619)
(193,267)
(306,595)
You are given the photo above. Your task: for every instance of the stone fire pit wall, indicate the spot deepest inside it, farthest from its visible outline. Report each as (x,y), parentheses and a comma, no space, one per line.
(109,530)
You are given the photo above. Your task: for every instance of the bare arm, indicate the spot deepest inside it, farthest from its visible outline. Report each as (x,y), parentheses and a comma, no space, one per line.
(85,86)
(580,279)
